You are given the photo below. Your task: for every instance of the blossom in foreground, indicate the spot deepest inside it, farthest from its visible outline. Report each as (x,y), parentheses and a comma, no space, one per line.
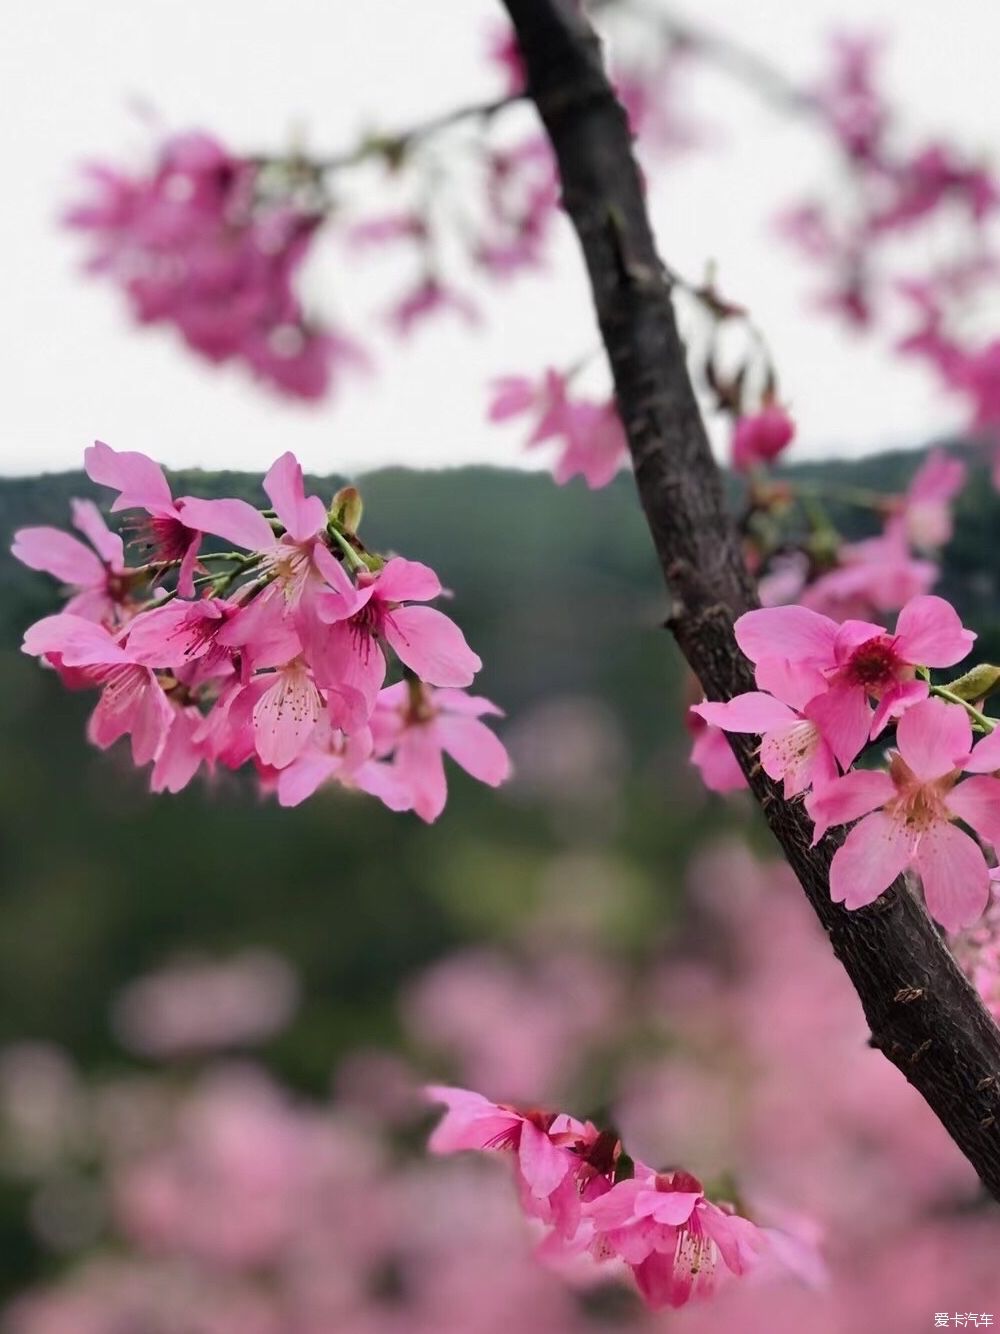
(578,1182)
(758,439)
(278,661)
(909,817)
(712,755)
(793,749)
(196,241)
(857,662)
(97,574)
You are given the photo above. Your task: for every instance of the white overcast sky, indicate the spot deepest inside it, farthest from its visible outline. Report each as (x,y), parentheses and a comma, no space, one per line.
(254,70)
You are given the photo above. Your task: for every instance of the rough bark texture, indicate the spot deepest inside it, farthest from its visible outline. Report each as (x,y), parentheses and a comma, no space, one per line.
(922,1012)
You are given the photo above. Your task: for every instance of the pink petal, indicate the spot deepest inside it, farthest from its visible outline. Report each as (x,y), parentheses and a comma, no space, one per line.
(977,802)
(459,701)
(87,519)
(300,779)
(793,633)
(848,798)
(407,581)
(233,520)
(471,744)
(797,755)
(339,582)
(844,717)
(751,712)
(929,633)
(54,552)
(432,645)
(543,1164)
(934,737)
(419,764)
(302,516)
(955,876)
(673,1207)
(894,703)
(139,480)
(284,717)
(874,853)
(79,642)
(985,755)
(792,683)
(347,659)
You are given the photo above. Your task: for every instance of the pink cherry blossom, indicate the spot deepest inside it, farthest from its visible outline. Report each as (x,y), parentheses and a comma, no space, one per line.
(925,514)
(197,244)
(356,620)
(174,530)
(97,574)
(760,438)
(419,726)
(874,576)
(671,1236)
(793,749)
(858,662)
(132,701)
(909,816)
(332,755)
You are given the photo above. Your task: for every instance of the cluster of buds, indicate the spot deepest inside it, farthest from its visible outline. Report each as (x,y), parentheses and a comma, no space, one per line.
(594,1200)
(274,654)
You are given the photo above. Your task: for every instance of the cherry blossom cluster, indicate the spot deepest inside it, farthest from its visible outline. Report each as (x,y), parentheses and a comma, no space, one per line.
(880,257)
(593,1199)
(273,655)
(826,694)
(211,242)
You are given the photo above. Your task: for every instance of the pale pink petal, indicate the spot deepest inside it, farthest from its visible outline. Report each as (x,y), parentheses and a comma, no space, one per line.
(793,633)
(233,520)
(180,757)
(874,853)
(752,712)
(54,552)
(471,744)
(284,717)
(844,717)
(407,581)
(459,701)
(848,798)
(929,632)
(189,561)
(348,659)
(672,1207)
(795,755)
(955,876)
(302,516)
(618,1207)
(934,737)
(432,645)
(339,582)
(140,480)
(977,802)
(89,520)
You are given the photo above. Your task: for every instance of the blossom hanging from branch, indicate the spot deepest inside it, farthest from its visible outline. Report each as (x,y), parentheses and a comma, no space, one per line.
(273,655)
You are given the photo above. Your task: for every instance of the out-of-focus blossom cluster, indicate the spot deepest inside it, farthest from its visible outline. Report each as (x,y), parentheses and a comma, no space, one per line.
(880,252)
(212,243)
(274,654)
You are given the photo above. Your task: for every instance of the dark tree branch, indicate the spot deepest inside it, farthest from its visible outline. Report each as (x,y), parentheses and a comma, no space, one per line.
(922,1012)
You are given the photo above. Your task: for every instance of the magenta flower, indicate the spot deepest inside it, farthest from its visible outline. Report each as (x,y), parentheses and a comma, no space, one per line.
(349,652)
(420,726)
(334,756)
(793,749)
(760,438)
(671,1236)
(909,817)
(97,574)
(174,530)
(857,661)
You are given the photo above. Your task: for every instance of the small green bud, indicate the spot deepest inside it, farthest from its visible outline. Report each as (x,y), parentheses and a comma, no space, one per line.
(346,509)
(977,683)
